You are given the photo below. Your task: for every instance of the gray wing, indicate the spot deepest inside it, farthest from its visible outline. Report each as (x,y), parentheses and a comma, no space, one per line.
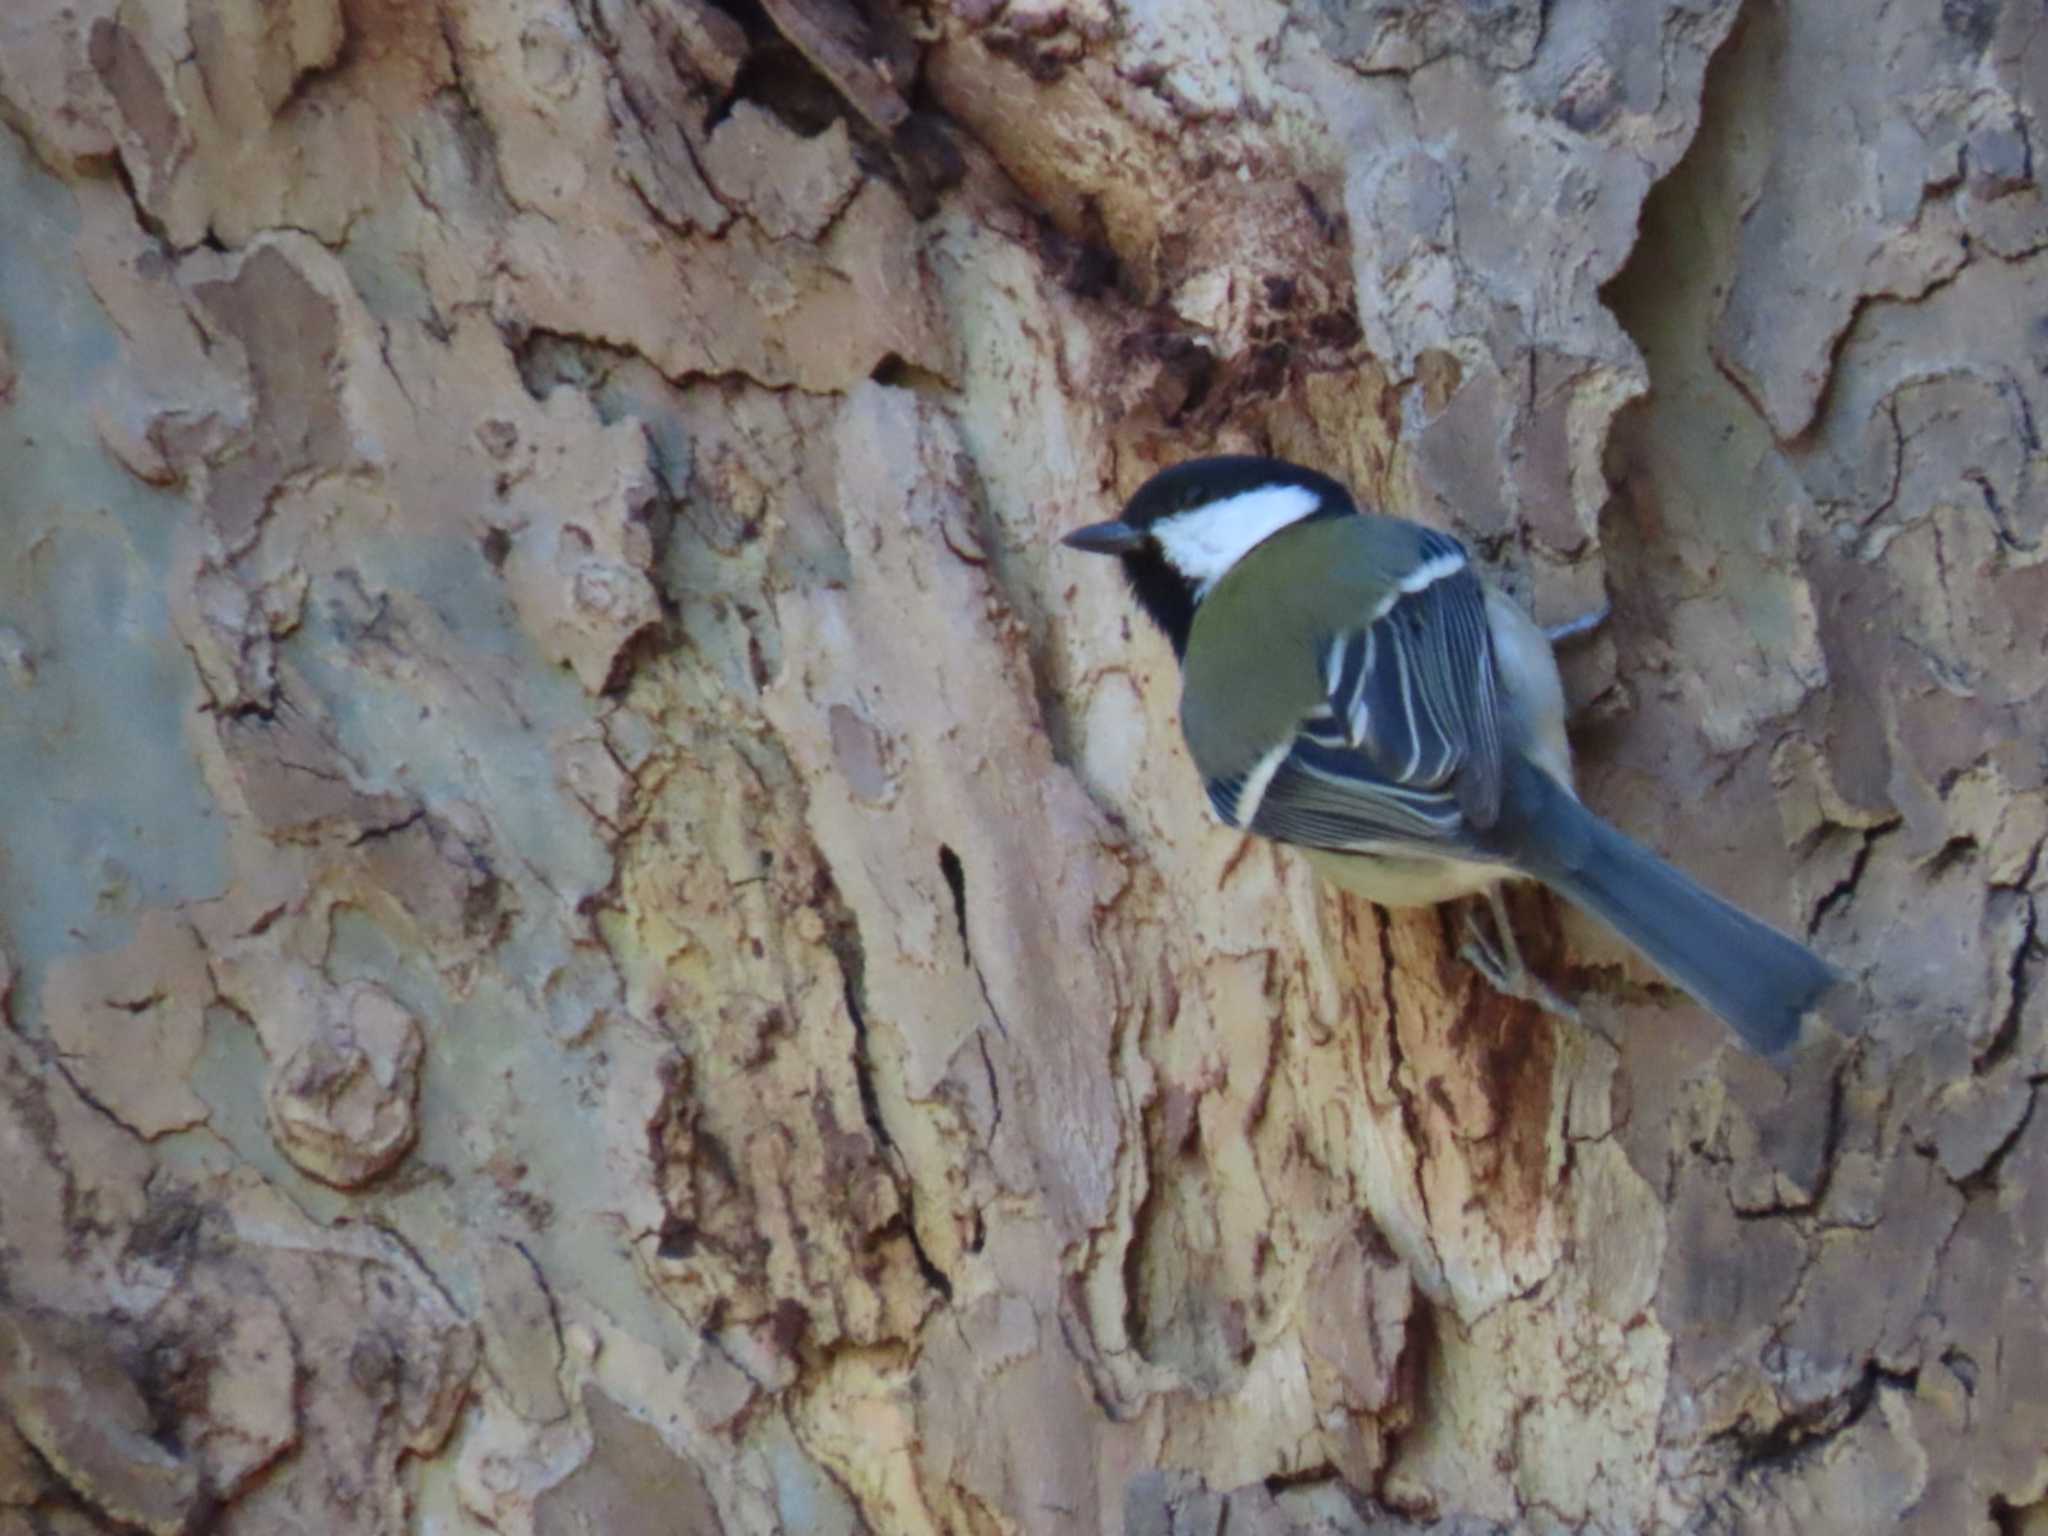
(1405,750)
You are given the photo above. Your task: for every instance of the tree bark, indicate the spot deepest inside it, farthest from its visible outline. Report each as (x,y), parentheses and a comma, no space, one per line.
(599,931)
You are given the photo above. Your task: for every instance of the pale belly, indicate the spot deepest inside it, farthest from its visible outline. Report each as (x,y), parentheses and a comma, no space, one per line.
(1394,881)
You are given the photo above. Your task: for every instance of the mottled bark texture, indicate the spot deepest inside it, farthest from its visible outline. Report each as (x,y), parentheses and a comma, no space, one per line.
(599,932)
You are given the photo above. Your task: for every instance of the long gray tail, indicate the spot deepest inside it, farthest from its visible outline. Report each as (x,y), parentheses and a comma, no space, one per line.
(1747,972)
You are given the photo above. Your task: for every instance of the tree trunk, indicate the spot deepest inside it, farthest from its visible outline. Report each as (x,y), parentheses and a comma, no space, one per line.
(601,932)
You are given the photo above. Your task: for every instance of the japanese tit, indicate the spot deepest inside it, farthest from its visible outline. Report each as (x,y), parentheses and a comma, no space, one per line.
(1352,686)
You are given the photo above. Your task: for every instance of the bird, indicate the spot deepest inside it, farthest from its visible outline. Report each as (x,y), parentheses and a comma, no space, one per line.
(1352,685)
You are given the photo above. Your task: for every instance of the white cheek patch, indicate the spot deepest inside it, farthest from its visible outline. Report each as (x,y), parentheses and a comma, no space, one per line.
(1204,542)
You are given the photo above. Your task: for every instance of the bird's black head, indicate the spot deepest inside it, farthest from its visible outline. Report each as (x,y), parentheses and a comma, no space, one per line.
(1189,524)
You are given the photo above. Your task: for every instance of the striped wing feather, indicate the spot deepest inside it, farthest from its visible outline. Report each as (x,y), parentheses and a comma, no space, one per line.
(1404,752)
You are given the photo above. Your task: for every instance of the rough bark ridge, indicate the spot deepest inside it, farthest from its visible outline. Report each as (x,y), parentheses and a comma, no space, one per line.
(597,931)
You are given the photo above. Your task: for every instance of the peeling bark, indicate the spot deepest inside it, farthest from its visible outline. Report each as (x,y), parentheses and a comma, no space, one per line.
(597,930)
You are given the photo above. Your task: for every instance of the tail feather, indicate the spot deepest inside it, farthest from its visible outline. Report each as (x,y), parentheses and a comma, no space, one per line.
(1754,977)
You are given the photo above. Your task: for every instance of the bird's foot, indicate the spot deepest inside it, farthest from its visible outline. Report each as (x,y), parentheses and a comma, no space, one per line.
(1500,961)
(1579,628)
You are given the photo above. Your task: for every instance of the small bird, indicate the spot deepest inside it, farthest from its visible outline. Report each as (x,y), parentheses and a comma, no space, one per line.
(1351,685)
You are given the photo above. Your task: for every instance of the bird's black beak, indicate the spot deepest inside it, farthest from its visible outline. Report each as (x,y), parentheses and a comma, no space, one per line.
(1111,538)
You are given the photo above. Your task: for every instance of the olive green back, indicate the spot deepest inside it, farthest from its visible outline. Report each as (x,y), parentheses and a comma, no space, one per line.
(1254,663)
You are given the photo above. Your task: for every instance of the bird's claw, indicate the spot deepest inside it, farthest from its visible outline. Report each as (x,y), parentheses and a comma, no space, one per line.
(1579,628)
(1502,965)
